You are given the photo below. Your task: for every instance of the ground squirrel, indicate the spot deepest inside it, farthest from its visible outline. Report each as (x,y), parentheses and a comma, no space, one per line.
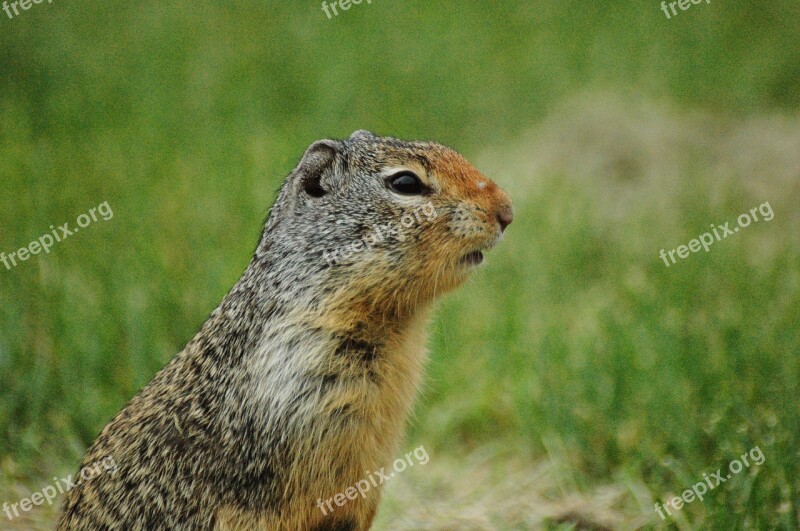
(302,378)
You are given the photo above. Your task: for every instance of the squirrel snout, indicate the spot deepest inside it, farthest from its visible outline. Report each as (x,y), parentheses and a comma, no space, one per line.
(505,215)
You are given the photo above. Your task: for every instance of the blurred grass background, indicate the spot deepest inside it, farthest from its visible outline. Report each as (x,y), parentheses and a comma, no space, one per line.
(617,131)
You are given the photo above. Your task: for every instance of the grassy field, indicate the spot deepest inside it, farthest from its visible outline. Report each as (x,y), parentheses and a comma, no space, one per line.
(577,380)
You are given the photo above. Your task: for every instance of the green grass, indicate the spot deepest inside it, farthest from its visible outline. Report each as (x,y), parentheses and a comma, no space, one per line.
(574,345)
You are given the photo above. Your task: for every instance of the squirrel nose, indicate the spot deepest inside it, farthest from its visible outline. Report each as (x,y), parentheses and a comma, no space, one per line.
(505,217)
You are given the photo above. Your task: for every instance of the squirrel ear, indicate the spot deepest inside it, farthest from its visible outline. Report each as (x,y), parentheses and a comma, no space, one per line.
(318,157)
(362,134)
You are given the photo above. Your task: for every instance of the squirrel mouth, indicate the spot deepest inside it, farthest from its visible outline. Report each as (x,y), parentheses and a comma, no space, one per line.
(473,258)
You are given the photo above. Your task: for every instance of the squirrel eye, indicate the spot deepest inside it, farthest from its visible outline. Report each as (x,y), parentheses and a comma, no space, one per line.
(407,183)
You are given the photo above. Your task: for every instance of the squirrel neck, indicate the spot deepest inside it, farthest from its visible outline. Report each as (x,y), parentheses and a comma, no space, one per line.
(266,300)
(364,308)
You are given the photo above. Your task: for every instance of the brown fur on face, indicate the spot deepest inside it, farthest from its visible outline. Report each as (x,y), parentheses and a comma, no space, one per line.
(469,208)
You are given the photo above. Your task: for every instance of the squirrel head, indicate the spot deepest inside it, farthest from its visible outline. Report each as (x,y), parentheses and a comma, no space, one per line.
(383,222)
